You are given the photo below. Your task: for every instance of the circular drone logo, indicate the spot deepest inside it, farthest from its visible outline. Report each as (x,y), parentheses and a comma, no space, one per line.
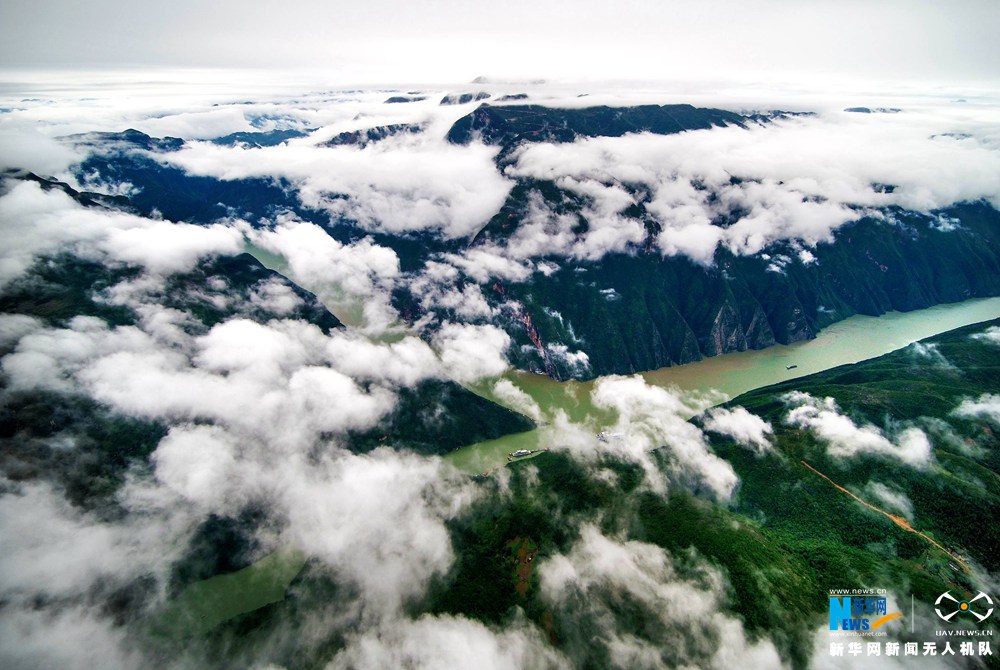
(963,606)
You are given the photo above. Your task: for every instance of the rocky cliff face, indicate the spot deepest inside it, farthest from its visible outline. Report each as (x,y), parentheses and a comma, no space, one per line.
(638,310)
(635,312)
(629,311)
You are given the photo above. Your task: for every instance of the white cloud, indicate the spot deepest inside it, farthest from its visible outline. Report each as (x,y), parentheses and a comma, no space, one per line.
(542,231)
(507,393)
(449,642)
(484,263)
(164,247)
(279,398)
(990,335)
(895,500)
(405,362)
(54,549)
(197,462)
(797,179)
(746,428)
(73,638)
(986,406)
(650,417)
(15,326)
(36,222)
(197,125)
(406,183)
(275,297)
(845,439)
(348,275)
(470,353)
(378,520)
(931,353)
(600,575)
(25,148)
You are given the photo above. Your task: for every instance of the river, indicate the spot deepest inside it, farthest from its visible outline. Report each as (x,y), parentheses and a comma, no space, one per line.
(854,339)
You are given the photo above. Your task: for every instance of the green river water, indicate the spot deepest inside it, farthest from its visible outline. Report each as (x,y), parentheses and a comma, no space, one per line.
(854,339)
(206,604)
(849,341)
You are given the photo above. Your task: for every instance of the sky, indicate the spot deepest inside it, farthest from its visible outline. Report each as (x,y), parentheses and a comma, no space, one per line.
(257,409)
(449,40)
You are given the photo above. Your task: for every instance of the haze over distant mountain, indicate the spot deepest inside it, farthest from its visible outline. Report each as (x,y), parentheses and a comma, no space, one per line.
(306,362)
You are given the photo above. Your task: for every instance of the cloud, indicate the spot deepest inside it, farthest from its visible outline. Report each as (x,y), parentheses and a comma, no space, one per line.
(37,222)
(683,619)
(742,426)
(403,184)
(378,520)
(508,394)
(484,263)
(257,416)
(197,125)
(275,297)
(542,231)
(54,549)
(163,247)
(470,353)
(449,642)
(357,276)
(15,326)
(24,148)
(796,179)
(931,354)
(72,638)
(405,362)
(650,417)
(845,439)
(437,286)
(986,407)
(991,335)
(895,500)
(197,462)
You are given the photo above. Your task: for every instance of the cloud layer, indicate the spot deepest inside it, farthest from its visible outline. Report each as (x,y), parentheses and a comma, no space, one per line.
(846,439)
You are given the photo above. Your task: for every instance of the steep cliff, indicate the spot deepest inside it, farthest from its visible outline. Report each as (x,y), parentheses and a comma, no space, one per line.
(641,311)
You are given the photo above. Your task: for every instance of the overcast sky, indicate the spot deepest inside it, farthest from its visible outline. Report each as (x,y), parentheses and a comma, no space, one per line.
(439,40)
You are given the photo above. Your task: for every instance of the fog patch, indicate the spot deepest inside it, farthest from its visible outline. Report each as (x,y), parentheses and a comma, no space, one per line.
(650,417)
(37,222)
(747,429)
(449,642)
(897,501)
(403,184)
(507,393)
(991,335)
(845,439)
(985,407)
(683,621)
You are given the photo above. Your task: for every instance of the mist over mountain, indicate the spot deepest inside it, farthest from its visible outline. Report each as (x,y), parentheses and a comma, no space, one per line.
(250,345)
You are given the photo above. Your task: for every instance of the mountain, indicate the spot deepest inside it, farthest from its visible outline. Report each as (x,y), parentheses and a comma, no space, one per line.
(638,309)
(362,138)
(463,98)
(788,534)
(509,125)
(435,416)
(642,311)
